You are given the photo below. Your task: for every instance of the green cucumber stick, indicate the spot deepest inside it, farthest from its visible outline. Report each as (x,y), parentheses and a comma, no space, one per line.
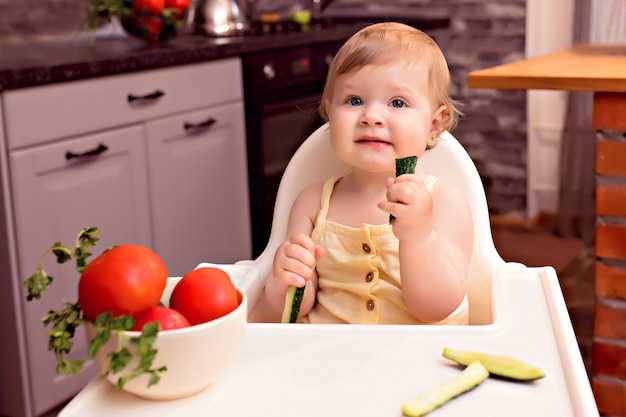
(293,300)
(404,165)
(438,395)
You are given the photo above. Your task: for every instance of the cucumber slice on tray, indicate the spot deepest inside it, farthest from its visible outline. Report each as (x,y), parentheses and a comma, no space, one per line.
(479,366)
(438,395)
(501,365)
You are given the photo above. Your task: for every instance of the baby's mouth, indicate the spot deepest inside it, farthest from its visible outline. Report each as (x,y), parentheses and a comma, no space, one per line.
(373,141)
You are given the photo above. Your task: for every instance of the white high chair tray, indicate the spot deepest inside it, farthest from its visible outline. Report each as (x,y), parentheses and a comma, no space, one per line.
(361,370)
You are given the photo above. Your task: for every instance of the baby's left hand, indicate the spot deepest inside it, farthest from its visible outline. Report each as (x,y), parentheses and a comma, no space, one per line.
(410,202)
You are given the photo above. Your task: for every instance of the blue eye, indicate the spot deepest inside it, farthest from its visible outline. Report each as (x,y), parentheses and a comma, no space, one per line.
(397,103)
(355,101)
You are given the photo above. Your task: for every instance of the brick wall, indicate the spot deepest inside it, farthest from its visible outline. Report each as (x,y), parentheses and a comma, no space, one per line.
(609,339)
(483,34)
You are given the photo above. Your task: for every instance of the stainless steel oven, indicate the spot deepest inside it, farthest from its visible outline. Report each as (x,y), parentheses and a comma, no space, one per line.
(282,91)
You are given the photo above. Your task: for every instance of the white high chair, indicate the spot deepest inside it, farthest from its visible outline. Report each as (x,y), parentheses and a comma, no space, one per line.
(514,309)
(315,161)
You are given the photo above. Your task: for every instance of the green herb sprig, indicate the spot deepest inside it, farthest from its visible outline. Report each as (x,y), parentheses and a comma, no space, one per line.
(65,322)
(38,283)
(122,356)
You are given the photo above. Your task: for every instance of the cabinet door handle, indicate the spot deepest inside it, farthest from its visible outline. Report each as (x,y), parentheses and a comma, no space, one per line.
(203,125)
(96,151)
(151,96)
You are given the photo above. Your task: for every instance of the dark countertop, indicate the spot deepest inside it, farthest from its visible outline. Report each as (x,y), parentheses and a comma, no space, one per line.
(27,64)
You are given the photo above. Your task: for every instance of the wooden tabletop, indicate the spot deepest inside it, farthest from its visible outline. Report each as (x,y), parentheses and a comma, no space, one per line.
(579,68)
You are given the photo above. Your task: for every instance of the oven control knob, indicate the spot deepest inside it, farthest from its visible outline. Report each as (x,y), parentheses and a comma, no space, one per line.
(269,71)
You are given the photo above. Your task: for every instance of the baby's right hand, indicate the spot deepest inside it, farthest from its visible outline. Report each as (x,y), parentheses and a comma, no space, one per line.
(294,262)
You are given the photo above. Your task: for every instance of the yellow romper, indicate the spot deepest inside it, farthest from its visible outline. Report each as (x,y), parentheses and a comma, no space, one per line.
(359,274)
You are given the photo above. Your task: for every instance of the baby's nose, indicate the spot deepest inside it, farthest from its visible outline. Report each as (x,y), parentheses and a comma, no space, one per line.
(371,117)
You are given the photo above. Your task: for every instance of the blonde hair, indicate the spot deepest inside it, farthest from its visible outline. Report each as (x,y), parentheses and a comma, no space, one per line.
(387,42)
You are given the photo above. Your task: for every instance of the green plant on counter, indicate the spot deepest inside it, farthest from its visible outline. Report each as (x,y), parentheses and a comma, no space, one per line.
(101,12)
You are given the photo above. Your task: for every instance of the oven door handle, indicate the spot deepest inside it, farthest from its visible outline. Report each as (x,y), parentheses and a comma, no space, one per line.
(202,125)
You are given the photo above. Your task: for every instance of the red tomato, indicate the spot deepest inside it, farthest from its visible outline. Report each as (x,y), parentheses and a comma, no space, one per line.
(204,294)
(125,280)
(151,27)
(180,5)
(168,318)
(151,6)
(146,26)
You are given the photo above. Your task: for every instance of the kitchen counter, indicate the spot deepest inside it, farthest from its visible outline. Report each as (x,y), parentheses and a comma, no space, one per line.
(26,64)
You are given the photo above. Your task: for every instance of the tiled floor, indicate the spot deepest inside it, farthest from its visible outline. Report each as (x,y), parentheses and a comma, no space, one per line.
(574,263)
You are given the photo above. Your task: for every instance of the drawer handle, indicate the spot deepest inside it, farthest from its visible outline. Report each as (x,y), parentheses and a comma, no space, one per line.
(97,151)
(151,96)
(208,122)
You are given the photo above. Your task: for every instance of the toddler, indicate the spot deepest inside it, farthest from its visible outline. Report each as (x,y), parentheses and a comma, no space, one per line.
(386,97)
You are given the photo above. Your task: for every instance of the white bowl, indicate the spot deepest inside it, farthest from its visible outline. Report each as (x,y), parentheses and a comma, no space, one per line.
(195,356)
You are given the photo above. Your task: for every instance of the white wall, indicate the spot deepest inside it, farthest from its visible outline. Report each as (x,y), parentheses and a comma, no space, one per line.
(608,21)
(548,29)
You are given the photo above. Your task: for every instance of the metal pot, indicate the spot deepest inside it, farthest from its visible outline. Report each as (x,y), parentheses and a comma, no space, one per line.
(220,17)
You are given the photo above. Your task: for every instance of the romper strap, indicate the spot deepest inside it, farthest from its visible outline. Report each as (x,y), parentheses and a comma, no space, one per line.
(327,191)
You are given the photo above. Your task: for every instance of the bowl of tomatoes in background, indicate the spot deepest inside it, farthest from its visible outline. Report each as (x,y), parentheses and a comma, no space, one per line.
(202,318)
(154,20)
(148,20)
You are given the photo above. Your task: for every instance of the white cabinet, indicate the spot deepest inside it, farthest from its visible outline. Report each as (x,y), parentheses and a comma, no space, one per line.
(198,201)
(54,198)
(168,171)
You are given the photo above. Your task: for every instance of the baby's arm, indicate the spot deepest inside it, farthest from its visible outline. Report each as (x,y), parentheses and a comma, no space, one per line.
(436,236)
(294,261)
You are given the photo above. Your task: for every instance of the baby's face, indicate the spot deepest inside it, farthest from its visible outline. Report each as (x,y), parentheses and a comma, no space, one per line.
(378,113)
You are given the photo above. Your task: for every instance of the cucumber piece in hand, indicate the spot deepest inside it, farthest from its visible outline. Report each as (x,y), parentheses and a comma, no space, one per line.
(293,300)
(436,396)
(404,166)
(500,365)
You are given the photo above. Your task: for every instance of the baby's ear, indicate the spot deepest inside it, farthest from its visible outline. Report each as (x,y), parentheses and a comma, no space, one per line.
(439,118)
(327,108)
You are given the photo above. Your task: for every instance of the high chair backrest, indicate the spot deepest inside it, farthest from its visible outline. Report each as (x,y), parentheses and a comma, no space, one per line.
(315,161)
